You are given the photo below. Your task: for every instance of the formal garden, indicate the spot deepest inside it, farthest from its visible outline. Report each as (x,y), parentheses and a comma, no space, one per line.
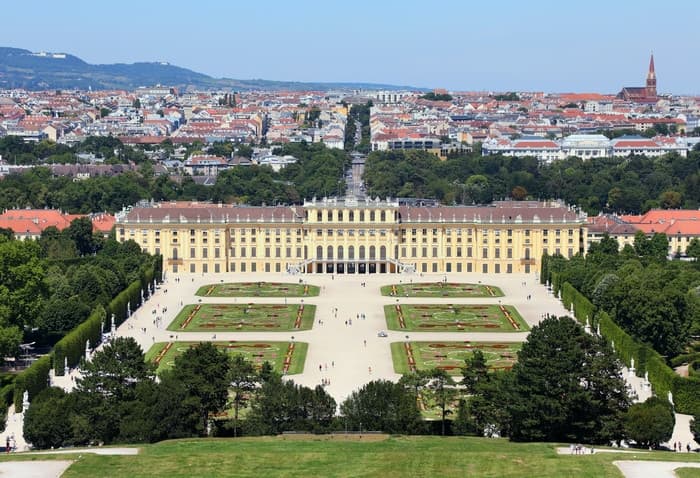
(454,318)
(258,289)
(247,317)
(450,356)
(285,357)
(441,289)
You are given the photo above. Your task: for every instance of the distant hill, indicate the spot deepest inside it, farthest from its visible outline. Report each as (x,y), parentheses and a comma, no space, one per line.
(21,68)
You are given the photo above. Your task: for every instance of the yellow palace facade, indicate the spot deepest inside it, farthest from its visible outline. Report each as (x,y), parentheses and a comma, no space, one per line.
(351,236)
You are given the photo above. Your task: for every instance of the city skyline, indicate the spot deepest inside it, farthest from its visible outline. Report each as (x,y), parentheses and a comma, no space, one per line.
(496,47)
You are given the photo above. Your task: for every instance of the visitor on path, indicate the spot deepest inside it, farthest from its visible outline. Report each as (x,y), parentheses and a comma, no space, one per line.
(370,370)
(365,341)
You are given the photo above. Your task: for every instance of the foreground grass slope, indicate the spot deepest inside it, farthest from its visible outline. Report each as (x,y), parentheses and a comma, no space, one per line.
(354,457)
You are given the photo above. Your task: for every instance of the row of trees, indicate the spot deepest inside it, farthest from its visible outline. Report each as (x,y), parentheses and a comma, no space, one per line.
(566,386)
(653,299)
(16,151)
(50,285)
(318,172)
(633,184)
(118,399)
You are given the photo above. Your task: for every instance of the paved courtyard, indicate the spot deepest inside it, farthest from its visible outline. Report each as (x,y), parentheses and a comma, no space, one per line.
(337,352)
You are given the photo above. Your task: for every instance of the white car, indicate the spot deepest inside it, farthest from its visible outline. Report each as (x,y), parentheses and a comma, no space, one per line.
(382,333)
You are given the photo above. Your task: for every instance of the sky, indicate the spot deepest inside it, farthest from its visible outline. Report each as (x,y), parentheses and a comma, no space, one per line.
(493,45)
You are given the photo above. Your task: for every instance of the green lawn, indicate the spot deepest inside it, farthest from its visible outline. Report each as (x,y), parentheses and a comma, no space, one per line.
(688,472)
(454,318)
(256,352)
(258,289)
(328,456)
(450,356)
(243,318)
(441,289)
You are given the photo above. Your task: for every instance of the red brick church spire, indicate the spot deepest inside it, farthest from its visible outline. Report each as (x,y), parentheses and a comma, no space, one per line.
(651,79)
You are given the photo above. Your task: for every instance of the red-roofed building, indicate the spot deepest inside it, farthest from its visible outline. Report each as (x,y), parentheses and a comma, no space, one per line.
(679,225)
(30,223)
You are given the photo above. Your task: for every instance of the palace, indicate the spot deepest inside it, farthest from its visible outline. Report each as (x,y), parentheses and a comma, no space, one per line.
(351,236)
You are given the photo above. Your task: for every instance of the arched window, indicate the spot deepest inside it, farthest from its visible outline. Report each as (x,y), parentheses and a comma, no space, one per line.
(382,252)
(351,252)
(382,216)
(372,254)
(371,216)
(527,253)
(340,252)
(319,252)
(362,252)
(330,252)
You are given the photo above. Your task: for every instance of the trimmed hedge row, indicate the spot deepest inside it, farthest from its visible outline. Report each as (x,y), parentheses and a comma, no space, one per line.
(583,308)
(131,296)
(686,391)
(72,346)
(34,380)
(7,394)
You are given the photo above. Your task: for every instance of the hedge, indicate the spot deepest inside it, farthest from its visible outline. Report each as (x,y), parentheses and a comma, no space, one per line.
(583,308)
(7,394)
(34,380)
(686,391)
(72,346)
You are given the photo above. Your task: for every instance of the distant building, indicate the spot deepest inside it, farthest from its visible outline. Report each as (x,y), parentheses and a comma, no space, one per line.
(642,94)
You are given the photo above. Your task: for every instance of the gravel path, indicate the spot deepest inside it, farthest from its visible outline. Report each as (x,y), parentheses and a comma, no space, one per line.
(339,346)
(33,469)
(652,469)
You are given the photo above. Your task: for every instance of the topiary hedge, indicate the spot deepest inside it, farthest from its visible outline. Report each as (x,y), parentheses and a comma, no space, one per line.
(72,346)
(34,380)
(686,391)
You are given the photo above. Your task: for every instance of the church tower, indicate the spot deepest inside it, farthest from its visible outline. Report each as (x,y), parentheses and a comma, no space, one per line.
(651,79)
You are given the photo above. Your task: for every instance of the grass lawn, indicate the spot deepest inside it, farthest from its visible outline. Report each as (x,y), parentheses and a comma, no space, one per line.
(688,472)
(441,289)
(454,318)
(256,352)
(450,356)
(244,318)
(258,289)
(338,456)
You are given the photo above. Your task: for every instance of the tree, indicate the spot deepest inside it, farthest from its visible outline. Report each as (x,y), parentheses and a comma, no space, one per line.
(46,424)
(243,381)
(80,231)
(519,193)
(693,249)
(650,423)
(671,200)
(695,428)
(108,386)
(567,386)
(475,371)
(204,370)
(381,405)
(442,386)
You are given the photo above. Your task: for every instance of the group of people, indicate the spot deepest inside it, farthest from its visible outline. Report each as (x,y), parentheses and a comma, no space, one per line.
(678,446)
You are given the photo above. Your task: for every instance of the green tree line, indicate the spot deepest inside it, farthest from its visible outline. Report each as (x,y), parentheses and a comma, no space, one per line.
(634,184)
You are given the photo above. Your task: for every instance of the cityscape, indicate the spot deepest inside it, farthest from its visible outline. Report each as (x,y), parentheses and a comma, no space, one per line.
(344,246)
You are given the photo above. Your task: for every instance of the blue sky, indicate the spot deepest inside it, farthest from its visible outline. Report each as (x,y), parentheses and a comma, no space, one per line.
(460,45)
